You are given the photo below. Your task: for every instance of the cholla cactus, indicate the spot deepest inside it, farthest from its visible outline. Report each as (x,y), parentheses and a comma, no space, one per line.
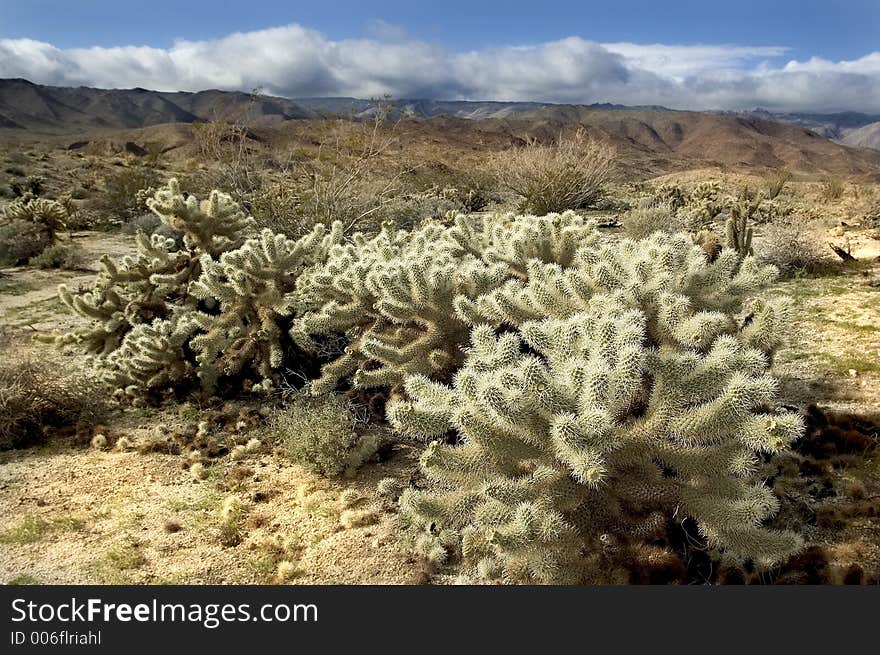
(517,240)
(704,203)
(393,294)
(150,358)
(139,304)
(629,394)
(642,273)
(50,214)
(249,293)
(737,229)
(131,291)
(211,226)
(670,195)
(146,286)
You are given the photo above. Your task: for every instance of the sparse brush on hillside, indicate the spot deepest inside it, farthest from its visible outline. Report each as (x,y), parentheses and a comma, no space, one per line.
(832,189)
(776,183)
(648,218)
(790,248)
(20,241)
(64,256)
(573,173)
(629,392)
(123,195)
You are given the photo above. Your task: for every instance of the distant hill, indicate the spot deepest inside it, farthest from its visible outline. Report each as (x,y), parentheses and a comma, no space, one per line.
(651,139)
(420,108)
(66,110)
(849,127)
(867,136)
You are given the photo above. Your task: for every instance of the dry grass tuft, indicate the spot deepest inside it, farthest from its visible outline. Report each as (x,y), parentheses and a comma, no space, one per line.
(571,174)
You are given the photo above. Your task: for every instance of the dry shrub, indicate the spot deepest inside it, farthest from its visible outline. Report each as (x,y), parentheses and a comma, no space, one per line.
(648,218)
(776,183)
(34,398)
(321,434)
(571,174)
(21,240)
(120,199)
(832,188)
(790,248)
(66,257)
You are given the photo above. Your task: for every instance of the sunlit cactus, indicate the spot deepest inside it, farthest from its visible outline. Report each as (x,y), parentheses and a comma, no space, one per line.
(630,392)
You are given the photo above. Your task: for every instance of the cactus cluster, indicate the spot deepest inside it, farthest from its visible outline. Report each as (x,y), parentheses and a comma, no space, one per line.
(50,215)
(214,307)
(392,295)
(570,387)
(604,399)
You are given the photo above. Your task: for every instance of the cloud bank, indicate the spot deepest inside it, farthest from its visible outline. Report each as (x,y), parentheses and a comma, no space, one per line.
(295,61)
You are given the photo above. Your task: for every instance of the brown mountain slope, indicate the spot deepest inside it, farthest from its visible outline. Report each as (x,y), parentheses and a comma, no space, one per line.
(651,141)
(64,110)
(867,136)
(692,139)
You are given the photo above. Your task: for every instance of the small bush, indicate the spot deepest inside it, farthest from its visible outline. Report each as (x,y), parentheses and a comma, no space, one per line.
(794,252)
(572,174)
(646,219)
(776,183)
(34,397)
(320,434)
(146,222)
(832,188)
(120,198)
(67,257)
(20,240)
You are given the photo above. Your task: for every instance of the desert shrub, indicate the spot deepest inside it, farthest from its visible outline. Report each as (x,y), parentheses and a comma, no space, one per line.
(648,218)
(322,435)
(21,240)
(120,199)
(833,188)
(146,222)
(790,248)
(35,398)
(776,183)
(64,256)
(571,174)
(604,399)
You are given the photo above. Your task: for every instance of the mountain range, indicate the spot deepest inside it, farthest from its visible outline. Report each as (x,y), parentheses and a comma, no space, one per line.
(656,137)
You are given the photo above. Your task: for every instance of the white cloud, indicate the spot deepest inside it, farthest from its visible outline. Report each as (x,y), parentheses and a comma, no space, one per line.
(296,61)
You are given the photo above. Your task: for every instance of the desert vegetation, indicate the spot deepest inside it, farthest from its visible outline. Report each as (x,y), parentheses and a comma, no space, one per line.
(524,364)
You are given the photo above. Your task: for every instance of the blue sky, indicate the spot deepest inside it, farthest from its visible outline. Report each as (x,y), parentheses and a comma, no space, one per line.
(836,30)
(683,53)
